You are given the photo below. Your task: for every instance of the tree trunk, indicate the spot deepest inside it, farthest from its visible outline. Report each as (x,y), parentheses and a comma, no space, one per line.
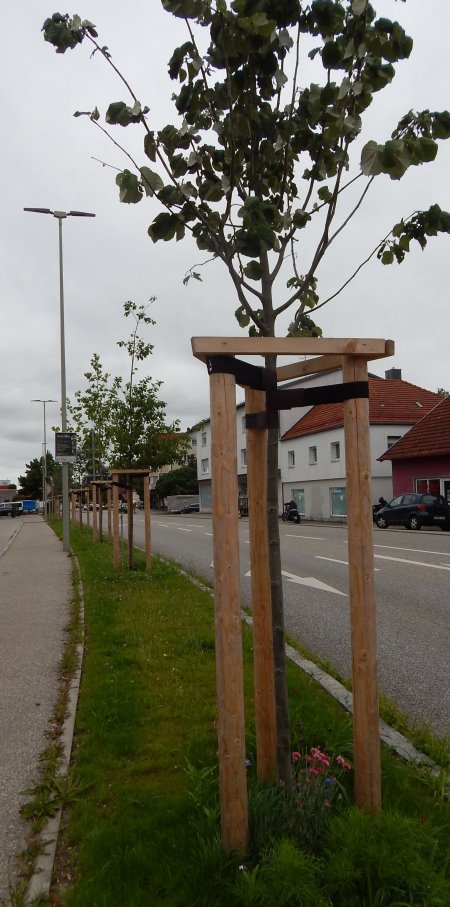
(279,650)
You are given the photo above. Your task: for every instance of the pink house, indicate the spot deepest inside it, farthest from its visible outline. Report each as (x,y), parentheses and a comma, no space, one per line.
(421,458)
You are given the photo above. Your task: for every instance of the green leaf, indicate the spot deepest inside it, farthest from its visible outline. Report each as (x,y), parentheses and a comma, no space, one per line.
(130,189)
(370,159)
(253,270)
(119,114)
(255,241)
(184,9)
(151,181)
(324,194)
(150,146)
(359,7)
(163,227)
(441,125)
(300,218)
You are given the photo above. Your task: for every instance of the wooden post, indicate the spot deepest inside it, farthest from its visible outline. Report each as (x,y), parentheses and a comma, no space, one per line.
(147,523)
(108,500)
(115,521)
(100,513)
(366,732)
(94,513)
(265,717)
(88,512)
(80,509)
(130,523)
(73,502)
(229,663)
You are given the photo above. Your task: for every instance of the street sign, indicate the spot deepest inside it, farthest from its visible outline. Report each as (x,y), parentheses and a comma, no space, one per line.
(65,447)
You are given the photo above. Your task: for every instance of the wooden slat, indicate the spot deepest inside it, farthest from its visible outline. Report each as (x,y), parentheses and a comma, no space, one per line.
(366,733)
(322,364)
(265,717)
(203,347)
(227,604)
(115,522)
(130,527)
(94,513)
(109,502)
(147,523)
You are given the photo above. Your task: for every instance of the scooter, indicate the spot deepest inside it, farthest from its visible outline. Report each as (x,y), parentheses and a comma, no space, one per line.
(376,507)
(290,514)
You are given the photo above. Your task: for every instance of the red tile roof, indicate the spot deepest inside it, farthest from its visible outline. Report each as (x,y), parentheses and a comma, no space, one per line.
(390,402)
(429,437)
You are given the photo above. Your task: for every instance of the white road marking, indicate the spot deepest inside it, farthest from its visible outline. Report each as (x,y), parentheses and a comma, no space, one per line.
(157,523)
(413,550)
(208,533)
(404,560)
(182,529)
(311,581)
(314,538)
(335,560)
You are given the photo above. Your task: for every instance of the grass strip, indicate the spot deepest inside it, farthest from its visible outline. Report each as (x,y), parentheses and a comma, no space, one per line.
(142,824)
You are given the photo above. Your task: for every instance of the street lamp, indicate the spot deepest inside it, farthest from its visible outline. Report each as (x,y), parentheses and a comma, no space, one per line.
(61,215)
(44,460)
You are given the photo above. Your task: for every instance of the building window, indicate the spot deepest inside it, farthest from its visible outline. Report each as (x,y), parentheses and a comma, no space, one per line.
(392,439)
(291,458)
(194,442)
(312,456)
(243,428)
(338,501)
(335,451)
(205,465)
(244,457)
(203,438)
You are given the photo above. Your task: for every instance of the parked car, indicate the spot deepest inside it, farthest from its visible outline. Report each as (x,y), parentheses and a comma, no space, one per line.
(6,508)
(415,511)
(191,508)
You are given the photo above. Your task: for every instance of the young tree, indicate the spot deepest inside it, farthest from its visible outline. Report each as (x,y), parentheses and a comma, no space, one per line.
(127,418)
(259,153)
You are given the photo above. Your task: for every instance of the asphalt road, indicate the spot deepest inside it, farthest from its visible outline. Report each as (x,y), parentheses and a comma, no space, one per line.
(413,599)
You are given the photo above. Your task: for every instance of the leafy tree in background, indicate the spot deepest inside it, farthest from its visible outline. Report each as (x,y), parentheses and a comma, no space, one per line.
(30,484)
(128,418)
(178,481)
(259,158)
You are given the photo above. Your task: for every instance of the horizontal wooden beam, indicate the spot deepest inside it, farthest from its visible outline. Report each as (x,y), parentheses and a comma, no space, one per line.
(323,363)
(205,347)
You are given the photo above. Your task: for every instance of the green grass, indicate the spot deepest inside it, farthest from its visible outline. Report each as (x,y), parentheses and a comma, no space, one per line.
(141,821)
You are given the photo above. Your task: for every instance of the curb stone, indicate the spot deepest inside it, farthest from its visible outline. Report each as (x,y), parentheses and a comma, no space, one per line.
(40,881)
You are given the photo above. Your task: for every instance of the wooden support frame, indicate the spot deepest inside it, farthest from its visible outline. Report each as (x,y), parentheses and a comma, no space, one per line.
(115,477)
(351,355)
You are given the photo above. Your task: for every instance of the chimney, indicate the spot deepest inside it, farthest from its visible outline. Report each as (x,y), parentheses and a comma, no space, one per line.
(393,374)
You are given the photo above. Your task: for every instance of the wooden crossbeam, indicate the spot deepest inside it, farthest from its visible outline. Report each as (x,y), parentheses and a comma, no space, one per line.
(204,347)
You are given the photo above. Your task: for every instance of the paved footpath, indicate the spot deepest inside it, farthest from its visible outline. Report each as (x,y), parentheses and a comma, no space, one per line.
(35,594)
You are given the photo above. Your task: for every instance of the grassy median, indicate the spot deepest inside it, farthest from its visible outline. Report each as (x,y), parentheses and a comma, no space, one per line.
(141,824)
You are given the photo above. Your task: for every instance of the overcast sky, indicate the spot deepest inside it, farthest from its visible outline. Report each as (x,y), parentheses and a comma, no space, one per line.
(48,160)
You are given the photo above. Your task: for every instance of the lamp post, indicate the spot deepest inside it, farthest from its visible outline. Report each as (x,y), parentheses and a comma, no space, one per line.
(44,459)
(60,216)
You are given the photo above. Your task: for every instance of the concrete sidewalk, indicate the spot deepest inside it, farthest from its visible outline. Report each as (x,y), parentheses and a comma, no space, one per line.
(35,595)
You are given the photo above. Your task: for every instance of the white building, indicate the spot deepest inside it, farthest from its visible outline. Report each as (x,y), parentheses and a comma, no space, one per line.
(311,452)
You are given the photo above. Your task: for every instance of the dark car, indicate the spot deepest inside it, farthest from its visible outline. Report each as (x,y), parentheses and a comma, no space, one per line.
(415,511)
(191,508)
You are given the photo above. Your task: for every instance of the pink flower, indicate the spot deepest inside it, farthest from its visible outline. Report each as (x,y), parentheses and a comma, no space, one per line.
(296,757)
(326,803)
(345,765)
